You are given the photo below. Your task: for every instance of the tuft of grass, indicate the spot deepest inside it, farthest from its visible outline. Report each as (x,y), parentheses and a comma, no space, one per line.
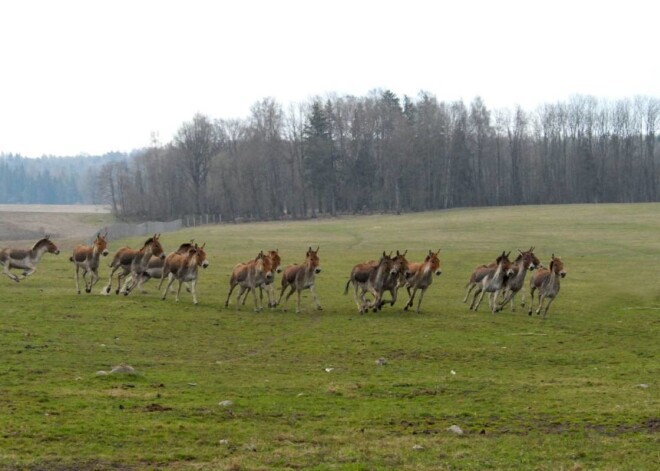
(577,391)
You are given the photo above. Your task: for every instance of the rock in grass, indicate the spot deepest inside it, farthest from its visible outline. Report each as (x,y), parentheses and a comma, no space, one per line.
(125,369)
(455,429)
(101,373)
(381,362)
(226,403)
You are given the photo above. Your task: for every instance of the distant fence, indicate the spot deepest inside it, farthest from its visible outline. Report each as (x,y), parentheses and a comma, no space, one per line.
(124,229)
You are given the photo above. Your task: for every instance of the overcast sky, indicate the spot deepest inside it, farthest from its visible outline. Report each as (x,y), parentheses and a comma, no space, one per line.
(89,77)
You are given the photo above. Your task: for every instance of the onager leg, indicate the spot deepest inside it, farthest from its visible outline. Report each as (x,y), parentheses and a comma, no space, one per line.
(531,300)
(470,287)
(475,304)
(232,285)
(93,279)
(286,299)
(359,300)
(178,291)
(547,306)
(411,297)
(316,298)
(170,280)
(193,290)
(10,274)
(257,308)
(421,296)
(78,282)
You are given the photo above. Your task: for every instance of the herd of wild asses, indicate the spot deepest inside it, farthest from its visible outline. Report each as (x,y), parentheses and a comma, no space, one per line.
(501,279)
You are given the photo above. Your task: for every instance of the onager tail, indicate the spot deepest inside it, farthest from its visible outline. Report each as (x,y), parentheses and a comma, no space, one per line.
(348,283)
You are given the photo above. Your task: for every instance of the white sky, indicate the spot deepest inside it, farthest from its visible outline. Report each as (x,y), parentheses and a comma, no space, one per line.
(95,76)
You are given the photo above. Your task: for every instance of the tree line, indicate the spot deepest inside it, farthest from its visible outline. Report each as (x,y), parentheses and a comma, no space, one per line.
(52,179)
(382,153)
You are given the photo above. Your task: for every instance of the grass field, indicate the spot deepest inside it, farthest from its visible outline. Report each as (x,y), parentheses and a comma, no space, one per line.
(576,391)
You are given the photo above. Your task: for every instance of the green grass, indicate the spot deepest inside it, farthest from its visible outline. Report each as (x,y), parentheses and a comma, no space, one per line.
(563,393)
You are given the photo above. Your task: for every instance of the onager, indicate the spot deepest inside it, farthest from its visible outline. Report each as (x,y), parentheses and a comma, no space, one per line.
(514,283)
(396,279)
(421,277)
(268,284)
(86,258)
(133,262)
(370,277)
(26,259)
(547,282)
(155,268)
(492,280)
(249,276)
(300,277)
(184,267)
(477,275)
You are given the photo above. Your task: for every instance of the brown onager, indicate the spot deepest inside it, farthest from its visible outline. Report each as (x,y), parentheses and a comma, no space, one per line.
(184,268)
(26,259)
(546,280)
(86,258)
(300,277)
(421,277)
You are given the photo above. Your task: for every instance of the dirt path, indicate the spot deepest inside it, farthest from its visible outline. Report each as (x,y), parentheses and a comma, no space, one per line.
(70,224)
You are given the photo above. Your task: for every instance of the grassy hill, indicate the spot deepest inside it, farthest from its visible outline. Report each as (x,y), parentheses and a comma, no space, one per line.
(576,391)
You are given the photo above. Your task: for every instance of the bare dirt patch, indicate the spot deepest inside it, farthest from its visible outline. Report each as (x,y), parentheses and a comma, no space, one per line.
(74,223)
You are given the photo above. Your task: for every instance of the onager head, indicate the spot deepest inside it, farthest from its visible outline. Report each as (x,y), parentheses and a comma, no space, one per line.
(276,260)
(505,263)
(434,262)
(201,255)
(265,264)
(557,266)
(101,244)
(156,248)
(48,245)
(312,260)
(401,263)
(530,260)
